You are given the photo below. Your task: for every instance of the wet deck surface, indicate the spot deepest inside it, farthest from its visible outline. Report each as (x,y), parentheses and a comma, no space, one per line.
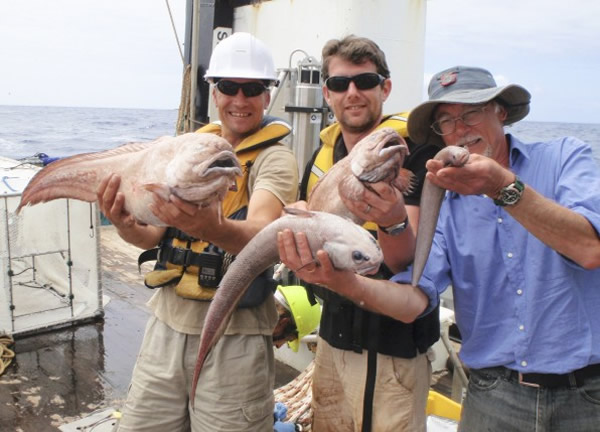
(60,376)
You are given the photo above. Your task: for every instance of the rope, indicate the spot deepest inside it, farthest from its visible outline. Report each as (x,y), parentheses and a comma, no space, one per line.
(296,396)
(6,354)
(175,32)
(183,118)
(183,124)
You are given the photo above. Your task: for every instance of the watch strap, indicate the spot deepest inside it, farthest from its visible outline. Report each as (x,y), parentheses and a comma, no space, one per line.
(396,228)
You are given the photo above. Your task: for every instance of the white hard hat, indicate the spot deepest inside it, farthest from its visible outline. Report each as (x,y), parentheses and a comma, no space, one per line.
(241,55)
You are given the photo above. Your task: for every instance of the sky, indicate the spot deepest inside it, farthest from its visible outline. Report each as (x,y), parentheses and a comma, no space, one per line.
(550,47)
(92,53)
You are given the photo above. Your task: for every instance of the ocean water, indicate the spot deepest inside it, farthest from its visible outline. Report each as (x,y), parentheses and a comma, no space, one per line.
(64,131)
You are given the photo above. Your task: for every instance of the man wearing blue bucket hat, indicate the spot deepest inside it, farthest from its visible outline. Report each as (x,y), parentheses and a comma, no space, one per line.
(518,240)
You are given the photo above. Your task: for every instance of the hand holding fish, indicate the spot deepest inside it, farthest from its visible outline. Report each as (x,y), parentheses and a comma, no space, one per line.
(381,203)
(480,175)
(111,202)
(189,217)
(295,253)
(372,294)
(348,245)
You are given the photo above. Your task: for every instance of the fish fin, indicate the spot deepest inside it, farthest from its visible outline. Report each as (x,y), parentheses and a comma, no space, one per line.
(297,212)
(160,189)
(405,181)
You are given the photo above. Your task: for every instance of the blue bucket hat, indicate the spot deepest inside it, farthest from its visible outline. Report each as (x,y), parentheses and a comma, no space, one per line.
(464,85)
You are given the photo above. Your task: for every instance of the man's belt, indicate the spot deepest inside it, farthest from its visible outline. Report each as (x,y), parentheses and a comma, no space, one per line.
(576,378)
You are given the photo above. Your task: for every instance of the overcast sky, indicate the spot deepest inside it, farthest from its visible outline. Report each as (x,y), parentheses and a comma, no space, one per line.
(92,53)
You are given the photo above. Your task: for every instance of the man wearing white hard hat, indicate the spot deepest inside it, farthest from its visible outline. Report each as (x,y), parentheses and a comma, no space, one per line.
(235,388)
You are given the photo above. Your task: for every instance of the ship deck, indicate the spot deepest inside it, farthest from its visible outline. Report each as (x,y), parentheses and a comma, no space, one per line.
(63,375)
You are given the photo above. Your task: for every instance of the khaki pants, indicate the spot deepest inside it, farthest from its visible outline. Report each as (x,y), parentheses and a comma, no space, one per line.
(400,399)
(234,393)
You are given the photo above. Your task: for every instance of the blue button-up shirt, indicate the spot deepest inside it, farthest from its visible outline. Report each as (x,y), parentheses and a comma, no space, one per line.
(518,303)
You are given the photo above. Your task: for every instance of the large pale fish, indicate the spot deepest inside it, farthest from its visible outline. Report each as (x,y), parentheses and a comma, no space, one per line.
(349,247)
(375,158)
(431,201)
(196,167)
(379,157)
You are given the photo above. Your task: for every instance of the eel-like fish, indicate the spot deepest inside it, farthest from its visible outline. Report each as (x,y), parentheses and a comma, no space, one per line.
(377,157)
(431,201)
(349,247)
(196,167)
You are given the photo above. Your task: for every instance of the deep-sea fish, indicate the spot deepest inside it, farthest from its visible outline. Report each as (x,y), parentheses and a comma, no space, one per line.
(349,247)
(196,167)
(375,158)
(431,201)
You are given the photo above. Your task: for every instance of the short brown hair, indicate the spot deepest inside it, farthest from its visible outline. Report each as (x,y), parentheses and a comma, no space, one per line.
(356,50)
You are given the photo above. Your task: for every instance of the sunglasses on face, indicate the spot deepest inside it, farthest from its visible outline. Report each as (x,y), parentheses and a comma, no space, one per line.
(363,81)
(250,89)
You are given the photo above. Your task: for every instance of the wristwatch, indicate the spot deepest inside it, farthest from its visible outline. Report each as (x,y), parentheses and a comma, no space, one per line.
(396,228)
(511,194)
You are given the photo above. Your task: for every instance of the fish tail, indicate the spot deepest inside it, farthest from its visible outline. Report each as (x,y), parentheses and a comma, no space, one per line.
(59,181)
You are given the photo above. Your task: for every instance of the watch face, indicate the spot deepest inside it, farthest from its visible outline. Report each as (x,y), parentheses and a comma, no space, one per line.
(510,196)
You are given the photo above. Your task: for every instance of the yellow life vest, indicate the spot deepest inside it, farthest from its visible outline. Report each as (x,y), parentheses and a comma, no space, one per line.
(329,136)
(181,257)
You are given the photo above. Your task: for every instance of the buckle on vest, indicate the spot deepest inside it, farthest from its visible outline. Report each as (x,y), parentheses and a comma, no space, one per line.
(178,256)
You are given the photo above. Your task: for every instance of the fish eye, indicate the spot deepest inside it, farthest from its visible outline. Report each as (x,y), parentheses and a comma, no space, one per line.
(358,256)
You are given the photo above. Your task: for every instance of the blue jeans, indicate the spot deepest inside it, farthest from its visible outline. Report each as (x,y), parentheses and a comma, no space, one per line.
(497,403)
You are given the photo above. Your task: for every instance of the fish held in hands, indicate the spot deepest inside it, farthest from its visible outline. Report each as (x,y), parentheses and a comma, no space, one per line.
(349,247)
(431,201)
(378,157)
(196,167)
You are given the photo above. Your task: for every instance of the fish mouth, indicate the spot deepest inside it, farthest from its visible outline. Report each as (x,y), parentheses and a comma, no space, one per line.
(223,162)
(384,166)
(372,269)
(380,161)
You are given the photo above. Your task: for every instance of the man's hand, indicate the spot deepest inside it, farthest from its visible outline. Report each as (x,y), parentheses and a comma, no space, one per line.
(295,253)
(112,203)
(480,175)
(380,203)
(196,221)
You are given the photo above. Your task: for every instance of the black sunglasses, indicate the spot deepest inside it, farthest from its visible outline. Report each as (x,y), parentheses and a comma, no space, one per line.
(250,89)
(363,81)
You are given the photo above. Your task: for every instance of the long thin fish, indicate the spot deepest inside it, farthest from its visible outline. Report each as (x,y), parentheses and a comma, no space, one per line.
(431,201)
(349,247)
